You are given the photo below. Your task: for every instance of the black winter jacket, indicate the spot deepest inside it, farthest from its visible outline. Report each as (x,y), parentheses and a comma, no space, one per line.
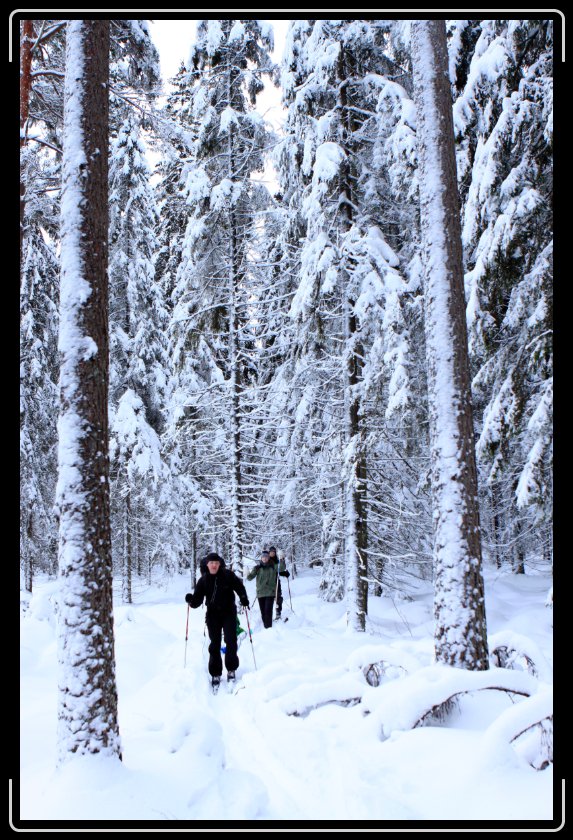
(218,592)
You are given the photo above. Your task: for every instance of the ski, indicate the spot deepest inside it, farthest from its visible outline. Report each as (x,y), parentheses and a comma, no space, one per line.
(231,685)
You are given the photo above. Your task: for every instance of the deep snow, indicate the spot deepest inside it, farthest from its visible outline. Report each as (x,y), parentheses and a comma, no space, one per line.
(283,746)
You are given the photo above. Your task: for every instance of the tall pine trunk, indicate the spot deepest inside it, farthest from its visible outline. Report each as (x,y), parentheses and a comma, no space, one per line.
(237,538)
(236,471)
(25,89)
(460,630)
(87,686)
(355,512)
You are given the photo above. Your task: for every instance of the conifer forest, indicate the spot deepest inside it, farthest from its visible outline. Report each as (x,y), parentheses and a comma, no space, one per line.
(334,336)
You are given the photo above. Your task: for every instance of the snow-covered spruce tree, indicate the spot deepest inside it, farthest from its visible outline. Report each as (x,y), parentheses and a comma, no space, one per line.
(42,68)
(319,433)
(211,327)
(41,98)
(173,142)
(134,58)
(395,392)
(138,358)
(138,346)
(188,510)
(289,458)
(42,48)
(460,631)
(278,467)
(43,59)
(39,402)
(347,272)
(87,711)
(504,129)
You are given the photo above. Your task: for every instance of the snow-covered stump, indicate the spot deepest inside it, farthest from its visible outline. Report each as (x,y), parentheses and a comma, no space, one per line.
(460,633)
(87,711)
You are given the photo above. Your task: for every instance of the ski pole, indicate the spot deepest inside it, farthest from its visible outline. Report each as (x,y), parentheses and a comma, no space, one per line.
(290,599)
(186,637)
(250,636)
(277,588)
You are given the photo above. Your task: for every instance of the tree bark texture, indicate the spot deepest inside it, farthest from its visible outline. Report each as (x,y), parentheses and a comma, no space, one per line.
(88,694)
(25,87)
(460,630)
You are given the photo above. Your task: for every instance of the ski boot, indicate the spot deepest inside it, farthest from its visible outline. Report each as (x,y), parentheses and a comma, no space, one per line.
(231,676)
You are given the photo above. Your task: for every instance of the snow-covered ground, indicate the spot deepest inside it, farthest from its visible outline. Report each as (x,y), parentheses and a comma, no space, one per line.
(304,736)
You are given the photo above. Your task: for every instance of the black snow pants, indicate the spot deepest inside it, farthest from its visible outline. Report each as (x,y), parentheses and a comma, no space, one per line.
(219,625)
(266,605)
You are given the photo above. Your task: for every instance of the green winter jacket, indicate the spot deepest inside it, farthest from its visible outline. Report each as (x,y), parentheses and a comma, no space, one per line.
(266,576)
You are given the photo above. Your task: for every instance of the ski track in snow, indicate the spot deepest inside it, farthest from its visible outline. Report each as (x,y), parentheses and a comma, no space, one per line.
(246,737)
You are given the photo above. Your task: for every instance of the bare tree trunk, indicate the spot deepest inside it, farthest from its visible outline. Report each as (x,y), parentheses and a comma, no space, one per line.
(25,74)
(87,686)
(234,355)
(193,562)
(497,529)
(354,487)
(29,557)
(355,481)
(518,560)
(460,633)
(25,88)
(236,477)
(128,551)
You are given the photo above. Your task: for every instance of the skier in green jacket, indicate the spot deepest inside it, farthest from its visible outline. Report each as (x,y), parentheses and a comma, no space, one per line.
(266,574)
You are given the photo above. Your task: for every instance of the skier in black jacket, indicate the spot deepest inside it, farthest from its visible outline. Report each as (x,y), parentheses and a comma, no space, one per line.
(217,587)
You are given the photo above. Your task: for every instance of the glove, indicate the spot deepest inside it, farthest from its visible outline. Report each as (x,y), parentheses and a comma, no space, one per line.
(188,597)
(245,602)
(285,574)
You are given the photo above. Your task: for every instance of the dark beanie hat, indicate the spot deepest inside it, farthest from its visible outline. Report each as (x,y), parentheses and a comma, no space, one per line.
(213,556)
